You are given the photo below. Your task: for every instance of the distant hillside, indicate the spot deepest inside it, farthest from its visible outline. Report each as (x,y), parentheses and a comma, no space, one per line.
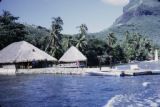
(140,16)
(37,35)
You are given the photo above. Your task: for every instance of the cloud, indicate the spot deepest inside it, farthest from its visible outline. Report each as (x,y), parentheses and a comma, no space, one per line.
(116,2)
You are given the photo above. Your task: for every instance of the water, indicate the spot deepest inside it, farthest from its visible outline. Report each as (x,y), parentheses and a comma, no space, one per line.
(48,90)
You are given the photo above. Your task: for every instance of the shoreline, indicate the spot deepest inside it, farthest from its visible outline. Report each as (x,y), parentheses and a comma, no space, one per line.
(105,71)
(52,70)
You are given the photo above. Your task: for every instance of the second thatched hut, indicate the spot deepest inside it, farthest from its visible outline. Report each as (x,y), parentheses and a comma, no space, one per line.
(73,58)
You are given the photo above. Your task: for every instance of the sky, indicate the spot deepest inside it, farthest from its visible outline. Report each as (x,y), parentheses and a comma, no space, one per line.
(96,14)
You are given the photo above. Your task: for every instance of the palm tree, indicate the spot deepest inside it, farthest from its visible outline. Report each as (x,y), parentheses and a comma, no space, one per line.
(127,36)
(111,40)
(83,29)
(68,42)
(81,41)
(137,47)
(55,37)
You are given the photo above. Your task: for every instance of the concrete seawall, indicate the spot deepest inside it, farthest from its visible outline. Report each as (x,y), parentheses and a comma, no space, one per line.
(79,71)
(69,71)
(4,71)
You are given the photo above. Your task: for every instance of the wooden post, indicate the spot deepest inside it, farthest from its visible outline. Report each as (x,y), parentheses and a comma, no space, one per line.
(99,59)
(110,61)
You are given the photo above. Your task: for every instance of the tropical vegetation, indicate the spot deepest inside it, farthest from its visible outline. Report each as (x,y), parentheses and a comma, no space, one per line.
(106,51)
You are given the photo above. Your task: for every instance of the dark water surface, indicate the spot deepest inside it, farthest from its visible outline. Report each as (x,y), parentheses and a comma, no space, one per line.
(47,90)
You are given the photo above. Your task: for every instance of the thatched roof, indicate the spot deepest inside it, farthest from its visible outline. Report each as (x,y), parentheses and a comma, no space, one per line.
(23,52)
(72,55)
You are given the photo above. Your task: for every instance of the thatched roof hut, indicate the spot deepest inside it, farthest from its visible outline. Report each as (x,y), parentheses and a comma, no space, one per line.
(19,52)
(72,55)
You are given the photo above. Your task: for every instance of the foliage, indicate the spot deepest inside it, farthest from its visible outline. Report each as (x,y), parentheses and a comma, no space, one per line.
(111,40)
(10,30)
(95,48)
(54,45)
(67,42)
(81,42)
(134,46)
(37,36)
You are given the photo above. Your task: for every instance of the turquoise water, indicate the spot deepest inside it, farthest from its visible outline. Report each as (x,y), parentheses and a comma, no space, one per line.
(47,90)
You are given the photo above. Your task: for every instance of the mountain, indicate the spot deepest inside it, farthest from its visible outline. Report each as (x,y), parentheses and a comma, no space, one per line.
(139,16)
